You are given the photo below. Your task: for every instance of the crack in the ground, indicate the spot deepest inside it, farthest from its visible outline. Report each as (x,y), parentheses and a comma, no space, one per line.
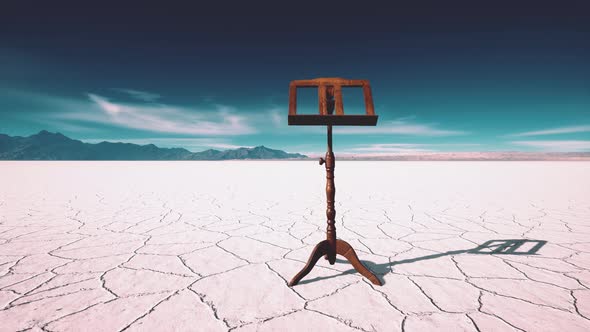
(211,305)
(150,310)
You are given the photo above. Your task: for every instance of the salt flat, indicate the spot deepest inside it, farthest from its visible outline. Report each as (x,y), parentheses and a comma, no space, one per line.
(210,246)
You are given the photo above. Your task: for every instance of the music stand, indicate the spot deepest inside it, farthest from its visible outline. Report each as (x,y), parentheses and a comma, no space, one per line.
(330,97)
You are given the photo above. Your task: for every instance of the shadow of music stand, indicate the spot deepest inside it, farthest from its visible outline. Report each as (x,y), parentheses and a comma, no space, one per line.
(330,97)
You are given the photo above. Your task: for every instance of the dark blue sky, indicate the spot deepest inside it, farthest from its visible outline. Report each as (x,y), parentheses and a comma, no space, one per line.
(446,76)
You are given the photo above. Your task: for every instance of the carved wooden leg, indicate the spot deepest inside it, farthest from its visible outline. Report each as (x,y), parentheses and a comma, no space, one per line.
(344,249)
(320,250)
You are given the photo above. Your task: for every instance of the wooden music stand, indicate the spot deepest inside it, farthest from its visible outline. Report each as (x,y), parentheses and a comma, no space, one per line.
(330,97)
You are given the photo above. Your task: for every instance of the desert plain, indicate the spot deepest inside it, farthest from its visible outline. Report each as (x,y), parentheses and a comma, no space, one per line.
(211,246)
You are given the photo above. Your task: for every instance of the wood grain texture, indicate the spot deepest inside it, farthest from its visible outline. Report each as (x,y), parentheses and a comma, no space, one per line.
(292,99)
(344,249)
(336,120)
(330,81)
(330,97)
(369,108)
(322,100)
(338,99)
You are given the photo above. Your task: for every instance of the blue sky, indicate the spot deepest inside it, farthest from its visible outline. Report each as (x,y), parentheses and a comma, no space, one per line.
(465,78)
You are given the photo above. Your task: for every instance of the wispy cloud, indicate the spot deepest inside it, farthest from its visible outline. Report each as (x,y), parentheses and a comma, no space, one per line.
(156,117)
(556,146)
(554,131)
(396,148)
(391,148)
(402,127)
(277,117)
(138,94)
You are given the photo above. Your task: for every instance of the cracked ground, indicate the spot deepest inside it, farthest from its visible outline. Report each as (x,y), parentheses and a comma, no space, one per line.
(210,246)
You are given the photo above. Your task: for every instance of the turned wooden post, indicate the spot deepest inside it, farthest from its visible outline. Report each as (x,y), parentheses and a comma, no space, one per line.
(330,186)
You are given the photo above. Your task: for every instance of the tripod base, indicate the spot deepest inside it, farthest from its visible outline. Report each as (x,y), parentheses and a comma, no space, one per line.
(342,248)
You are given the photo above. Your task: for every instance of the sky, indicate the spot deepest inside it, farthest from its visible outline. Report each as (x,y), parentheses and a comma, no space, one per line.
(445,76)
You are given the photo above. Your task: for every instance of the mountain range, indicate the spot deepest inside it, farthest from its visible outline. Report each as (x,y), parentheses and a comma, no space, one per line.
(55,146)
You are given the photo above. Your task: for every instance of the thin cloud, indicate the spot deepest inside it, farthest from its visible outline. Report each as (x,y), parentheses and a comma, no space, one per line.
(141,95)
(405,147)
(229,146)
(554,131)
(391,148)
(402,127)
(556,146)
(166,119)
(276,117)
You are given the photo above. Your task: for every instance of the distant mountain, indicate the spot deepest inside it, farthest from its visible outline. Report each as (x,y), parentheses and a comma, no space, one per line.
(259,152)
(55,146)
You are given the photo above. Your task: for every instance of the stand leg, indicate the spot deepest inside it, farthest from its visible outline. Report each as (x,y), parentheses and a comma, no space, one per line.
(344,249)
(320,250)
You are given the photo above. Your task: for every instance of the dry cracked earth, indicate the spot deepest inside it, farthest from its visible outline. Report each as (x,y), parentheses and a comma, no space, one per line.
(210,246)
